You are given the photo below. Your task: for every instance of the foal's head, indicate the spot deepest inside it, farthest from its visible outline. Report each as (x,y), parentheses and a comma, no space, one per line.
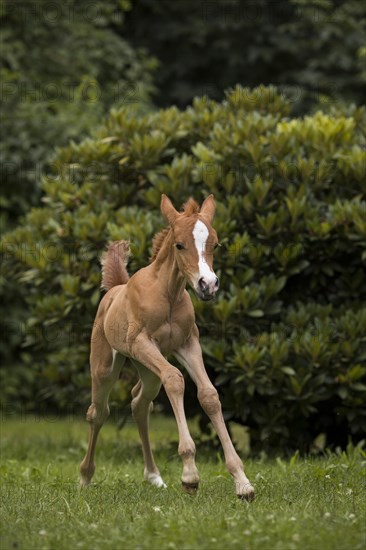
(194,243)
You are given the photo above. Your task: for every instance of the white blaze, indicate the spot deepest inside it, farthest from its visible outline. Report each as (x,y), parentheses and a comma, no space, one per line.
(200,235)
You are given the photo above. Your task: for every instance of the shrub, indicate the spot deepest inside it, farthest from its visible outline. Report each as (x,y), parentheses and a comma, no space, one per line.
(285,340)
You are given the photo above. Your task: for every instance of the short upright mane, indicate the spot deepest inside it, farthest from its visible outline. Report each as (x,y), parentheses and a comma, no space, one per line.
(189,208)
(158,242)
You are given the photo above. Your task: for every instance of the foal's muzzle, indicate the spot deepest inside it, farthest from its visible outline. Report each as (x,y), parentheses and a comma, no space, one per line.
(207,289)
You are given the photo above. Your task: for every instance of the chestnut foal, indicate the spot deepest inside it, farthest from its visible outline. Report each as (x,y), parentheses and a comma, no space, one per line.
(151,316)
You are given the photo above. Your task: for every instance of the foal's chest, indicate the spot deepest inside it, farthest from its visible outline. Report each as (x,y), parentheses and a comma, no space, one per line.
(170,336)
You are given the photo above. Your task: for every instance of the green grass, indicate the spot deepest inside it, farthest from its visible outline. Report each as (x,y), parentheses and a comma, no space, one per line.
(318,503)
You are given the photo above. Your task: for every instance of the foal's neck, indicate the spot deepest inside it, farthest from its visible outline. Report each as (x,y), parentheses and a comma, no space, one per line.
(167,271)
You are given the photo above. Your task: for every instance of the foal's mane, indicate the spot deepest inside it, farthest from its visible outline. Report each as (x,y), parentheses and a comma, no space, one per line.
(189,208)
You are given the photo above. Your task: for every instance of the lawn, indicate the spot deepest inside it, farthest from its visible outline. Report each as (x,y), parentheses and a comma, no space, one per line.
(315,503)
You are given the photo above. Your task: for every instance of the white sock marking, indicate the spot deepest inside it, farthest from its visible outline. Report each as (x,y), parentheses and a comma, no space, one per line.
(155,480)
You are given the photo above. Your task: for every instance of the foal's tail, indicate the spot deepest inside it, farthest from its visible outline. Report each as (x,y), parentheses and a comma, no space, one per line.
(114,262)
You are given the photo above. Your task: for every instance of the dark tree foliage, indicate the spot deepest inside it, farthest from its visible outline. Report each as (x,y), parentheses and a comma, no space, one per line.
(311,49)
(63,64)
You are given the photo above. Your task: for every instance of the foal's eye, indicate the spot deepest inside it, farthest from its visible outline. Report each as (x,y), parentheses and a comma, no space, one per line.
(179,246)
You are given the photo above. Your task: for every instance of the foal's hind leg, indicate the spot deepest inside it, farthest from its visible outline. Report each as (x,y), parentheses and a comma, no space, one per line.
(143,395)
(105,369)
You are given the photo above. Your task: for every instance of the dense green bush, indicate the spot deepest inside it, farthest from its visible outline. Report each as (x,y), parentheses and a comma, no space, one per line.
(286,337)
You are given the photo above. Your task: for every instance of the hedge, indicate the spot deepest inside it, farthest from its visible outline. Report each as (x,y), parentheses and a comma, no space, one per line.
(285,340)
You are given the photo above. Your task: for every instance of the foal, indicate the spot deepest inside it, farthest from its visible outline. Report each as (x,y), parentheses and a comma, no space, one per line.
(149,317)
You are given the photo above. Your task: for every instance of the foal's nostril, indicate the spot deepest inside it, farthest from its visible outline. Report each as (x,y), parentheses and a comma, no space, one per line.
(203,285)
(217,284)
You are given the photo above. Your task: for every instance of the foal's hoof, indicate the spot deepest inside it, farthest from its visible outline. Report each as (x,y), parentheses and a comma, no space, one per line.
(189,488)
(247,494)
(84,482)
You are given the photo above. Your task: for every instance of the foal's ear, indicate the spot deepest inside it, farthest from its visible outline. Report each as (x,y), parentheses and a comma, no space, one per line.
(168,210)
(208,208)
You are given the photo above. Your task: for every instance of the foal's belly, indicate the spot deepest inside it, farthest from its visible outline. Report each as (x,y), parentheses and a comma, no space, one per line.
(169,337)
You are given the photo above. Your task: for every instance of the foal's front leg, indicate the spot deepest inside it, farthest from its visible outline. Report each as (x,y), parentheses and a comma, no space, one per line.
(172,379)
(190,356)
